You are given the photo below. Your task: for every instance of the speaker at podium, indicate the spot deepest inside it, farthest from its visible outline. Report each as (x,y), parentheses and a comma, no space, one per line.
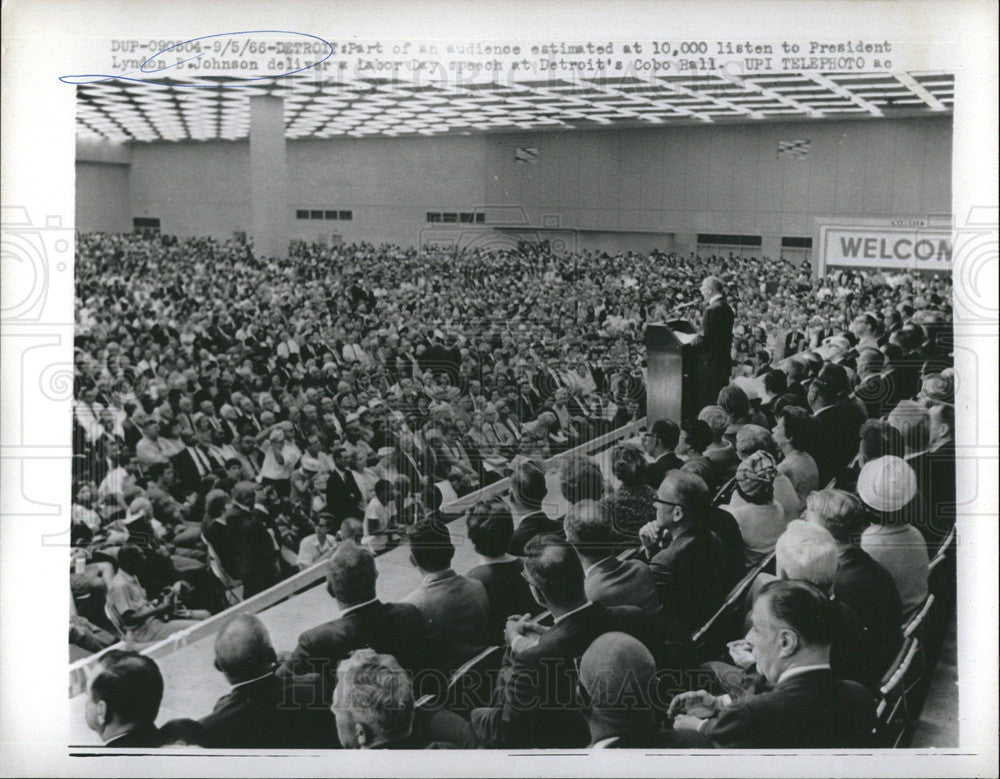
(670,371)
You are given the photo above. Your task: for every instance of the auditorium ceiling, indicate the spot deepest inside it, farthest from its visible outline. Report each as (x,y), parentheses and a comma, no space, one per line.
(119,110)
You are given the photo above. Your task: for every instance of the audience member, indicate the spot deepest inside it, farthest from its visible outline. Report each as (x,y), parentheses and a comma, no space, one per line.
(539,667)
(490,528)
(393,628)
(759,516)
(527,491)
(607,580)
(793,435)
(617,684)
(374,704)
(140,620)
(860,582)
(320,545)
(263,710)
(808,708)
(684,555)
(888,489)
(660,441)
(124,699)
(455,608)
(631,505)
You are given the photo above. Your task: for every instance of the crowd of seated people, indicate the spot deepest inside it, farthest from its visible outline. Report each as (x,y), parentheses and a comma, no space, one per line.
(238,420)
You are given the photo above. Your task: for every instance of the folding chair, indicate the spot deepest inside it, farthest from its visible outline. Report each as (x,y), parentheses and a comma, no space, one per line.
(894,714)
(234,587)
(472,685)
(545,618)
(917,621)
(941,571)
(724,493)
(941,585)
(947,544)
(115,619)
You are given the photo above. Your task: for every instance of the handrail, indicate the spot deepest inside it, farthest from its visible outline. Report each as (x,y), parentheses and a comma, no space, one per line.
(457,507)
(79,671)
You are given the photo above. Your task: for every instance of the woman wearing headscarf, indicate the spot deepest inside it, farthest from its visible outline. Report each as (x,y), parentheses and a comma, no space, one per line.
(760,518)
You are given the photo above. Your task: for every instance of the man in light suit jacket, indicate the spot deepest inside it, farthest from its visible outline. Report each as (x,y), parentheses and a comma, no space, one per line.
(456,608)
(607,580)
(397,629)
(808,708)
(713,347)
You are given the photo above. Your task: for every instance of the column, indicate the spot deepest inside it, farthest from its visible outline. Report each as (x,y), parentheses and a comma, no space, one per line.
(268,177)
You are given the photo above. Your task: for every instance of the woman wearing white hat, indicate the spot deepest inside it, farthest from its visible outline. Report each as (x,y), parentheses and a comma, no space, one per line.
(888,488)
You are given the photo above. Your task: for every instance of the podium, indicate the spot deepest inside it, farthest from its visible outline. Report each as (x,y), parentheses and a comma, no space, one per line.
(670,368)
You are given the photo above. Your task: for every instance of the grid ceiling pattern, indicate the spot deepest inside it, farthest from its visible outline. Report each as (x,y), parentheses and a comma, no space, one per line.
(123,110)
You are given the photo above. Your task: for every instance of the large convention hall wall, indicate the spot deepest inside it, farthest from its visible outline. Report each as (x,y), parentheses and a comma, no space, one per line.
(192,188)
(627,188)
(102,201)
(388,184)
(726,178)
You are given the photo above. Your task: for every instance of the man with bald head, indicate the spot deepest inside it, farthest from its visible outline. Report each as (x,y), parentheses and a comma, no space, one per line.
(263,710)
(618,690)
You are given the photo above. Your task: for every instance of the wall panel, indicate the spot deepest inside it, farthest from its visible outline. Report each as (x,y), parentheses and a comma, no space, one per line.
(676,180)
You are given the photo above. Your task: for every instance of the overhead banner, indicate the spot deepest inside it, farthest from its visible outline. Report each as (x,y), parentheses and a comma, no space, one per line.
(902,244)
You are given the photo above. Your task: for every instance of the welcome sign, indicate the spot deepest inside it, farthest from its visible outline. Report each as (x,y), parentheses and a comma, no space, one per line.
(901,244)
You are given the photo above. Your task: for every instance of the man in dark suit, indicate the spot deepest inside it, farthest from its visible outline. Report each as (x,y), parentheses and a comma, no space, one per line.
(792,627)
(343,496)
(527,491)
(685,557)
(263,710)
(837,422)
(397,629)
(860,582)
(124,699)
(713,347)
(533,705)
(191,465)
(255,546)
(609,581)
(660,440)
(217,532)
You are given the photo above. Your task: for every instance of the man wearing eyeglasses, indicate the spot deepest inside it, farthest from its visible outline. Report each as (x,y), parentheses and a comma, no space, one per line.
(685,556)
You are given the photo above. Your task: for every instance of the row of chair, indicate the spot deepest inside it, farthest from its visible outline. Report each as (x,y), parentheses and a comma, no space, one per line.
(904,686)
